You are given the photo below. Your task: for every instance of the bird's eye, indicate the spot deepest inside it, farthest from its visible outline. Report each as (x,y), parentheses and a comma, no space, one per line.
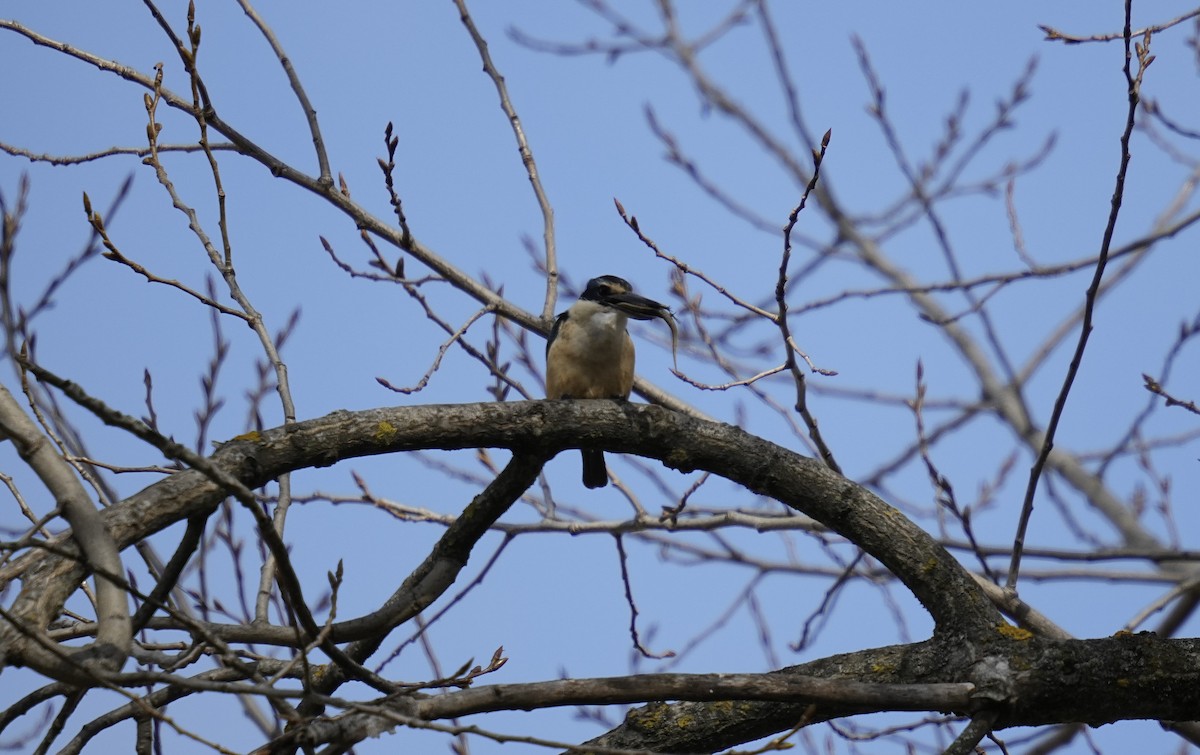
(605,290)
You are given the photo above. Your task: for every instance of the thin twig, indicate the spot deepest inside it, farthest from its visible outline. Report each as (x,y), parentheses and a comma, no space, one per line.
(49,159)
(781,320)
(1133,82)
(535,179)
(1054,35)
(310,113)
(633,610)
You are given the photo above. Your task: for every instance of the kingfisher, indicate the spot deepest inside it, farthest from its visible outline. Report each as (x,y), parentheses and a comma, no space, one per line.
(590,354)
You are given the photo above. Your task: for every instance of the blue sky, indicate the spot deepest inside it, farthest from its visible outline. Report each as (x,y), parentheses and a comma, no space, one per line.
(556,603)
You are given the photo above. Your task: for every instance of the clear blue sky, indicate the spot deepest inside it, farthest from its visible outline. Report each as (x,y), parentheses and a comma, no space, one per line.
(556,603)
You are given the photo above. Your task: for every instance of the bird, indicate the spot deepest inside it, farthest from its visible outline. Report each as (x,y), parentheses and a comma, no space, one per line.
(590,355)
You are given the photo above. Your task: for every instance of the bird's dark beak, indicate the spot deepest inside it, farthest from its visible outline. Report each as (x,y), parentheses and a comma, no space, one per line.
(640,307)
(637,307)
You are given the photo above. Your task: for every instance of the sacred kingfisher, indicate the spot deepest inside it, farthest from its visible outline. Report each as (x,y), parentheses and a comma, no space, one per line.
(590,354)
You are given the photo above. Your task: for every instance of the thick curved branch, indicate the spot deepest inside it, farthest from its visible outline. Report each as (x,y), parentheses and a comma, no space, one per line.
(537,428)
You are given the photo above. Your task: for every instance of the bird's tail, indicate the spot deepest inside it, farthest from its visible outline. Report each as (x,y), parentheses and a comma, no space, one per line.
(595,473)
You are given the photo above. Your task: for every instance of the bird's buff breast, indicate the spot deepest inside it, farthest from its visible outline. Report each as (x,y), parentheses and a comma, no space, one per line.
(589,361)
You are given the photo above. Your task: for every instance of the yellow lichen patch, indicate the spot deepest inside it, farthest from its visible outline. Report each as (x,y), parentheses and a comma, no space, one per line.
(1014,633)
(725,707)
(253,436)
(883,668)
(647,718)
(385,432)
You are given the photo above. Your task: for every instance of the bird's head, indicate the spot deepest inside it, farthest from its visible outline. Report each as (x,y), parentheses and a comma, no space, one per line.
(611,291)
(616,293)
